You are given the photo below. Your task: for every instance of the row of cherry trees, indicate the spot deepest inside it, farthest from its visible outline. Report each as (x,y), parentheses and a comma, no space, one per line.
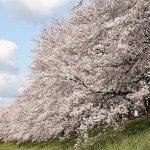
(91,70)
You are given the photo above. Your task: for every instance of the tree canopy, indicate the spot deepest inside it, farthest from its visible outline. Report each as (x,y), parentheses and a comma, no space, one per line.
(90,70)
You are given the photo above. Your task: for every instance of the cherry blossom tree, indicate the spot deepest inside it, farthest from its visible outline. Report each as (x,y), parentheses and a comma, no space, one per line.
(91,70)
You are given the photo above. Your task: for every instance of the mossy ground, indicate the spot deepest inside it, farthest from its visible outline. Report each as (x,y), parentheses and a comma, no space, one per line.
(135,136)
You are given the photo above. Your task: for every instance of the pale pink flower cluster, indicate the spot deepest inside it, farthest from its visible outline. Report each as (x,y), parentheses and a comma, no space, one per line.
(89,71)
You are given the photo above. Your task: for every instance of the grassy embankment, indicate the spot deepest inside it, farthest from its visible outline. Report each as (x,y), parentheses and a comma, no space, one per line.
(135,136)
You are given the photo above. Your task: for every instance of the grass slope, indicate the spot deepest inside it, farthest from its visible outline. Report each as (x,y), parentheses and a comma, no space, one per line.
(135,136)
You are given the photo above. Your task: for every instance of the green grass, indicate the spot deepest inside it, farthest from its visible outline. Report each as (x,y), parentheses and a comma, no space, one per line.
(135,136)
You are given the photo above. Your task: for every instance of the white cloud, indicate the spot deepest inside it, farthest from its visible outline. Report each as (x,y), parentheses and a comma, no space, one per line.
(7,56)
(11,82)
(10,87)
(32,10)
(6,101)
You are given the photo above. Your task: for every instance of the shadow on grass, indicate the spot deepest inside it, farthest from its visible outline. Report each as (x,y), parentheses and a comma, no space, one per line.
(137,126)
(50,144)
(111,136)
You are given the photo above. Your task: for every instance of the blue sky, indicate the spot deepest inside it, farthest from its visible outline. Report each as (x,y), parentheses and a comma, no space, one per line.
(20,22)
